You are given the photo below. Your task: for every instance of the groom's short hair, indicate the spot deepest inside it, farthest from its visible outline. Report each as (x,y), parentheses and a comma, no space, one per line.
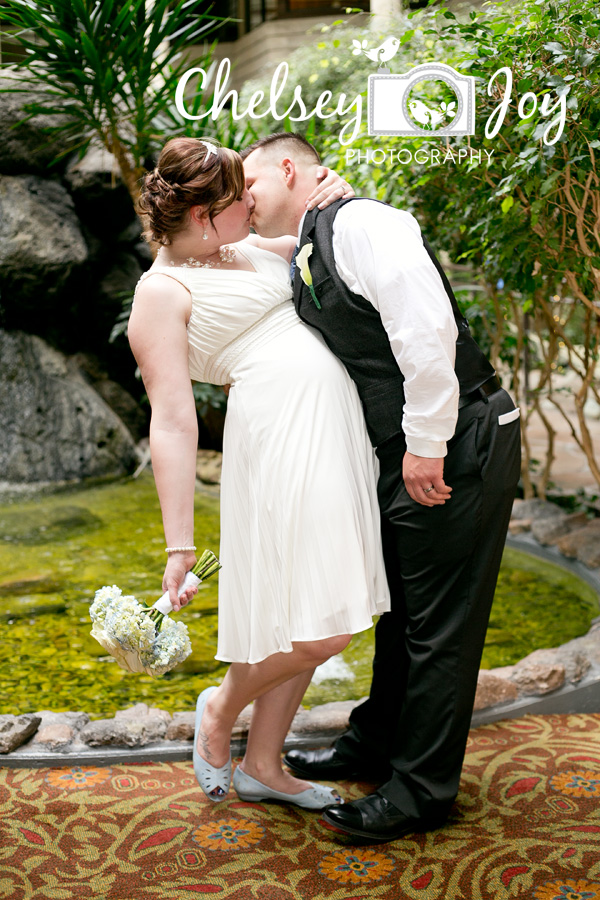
(286,140)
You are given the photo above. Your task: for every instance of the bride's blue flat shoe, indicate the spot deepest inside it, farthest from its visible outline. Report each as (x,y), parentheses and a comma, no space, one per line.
(213,781)
(315,797)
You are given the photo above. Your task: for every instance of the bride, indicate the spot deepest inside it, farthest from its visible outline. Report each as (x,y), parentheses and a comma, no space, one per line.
(300,542)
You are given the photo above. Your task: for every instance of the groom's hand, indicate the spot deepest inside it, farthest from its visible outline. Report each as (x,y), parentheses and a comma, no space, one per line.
(424,480)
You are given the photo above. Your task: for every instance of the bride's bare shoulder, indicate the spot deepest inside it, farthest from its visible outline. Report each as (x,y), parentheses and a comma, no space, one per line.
(282,246)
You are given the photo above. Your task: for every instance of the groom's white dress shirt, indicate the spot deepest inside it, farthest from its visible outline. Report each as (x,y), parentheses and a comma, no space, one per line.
(379,254)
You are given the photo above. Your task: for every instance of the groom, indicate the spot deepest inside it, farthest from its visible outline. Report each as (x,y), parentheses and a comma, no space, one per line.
(448,441)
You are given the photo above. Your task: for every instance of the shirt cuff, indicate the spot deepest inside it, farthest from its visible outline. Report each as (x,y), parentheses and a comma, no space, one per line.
(430,449)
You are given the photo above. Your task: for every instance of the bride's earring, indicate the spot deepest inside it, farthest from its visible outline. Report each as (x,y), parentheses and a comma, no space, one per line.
(205,235)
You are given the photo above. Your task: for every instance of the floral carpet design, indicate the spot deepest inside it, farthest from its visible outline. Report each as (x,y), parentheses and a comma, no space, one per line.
(526,825)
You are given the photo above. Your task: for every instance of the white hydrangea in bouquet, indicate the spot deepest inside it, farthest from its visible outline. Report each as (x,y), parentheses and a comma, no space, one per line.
(143,638)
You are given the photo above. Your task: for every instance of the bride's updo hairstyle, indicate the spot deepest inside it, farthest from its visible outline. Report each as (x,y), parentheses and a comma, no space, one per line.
(189,174)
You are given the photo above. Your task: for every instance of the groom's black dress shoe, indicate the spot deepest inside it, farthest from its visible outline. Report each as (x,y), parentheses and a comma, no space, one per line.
(326,763)
(376,819)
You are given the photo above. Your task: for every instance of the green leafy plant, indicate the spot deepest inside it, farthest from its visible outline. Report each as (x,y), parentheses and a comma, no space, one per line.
(531,222)
(521,236)
(109,68)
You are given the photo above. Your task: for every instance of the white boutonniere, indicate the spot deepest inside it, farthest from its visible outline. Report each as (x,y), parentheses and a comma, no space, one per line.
(302,262)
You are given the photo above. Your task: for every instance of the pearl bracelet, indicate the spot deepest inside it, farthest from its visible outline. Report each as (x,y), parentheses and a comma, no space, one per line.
(180,549)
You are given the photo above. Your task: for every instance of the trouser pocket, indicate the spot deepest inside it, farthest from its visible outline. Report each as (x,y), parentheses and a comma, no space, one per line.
(501,466)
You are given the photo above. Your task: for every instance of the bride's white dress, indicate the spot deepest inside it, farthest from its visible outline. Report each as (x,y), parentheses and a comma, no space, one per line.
(300,533)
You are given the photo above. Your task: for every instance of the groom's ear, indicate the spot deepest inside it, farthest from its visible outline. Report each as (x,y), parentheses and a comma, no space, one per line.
(289,170)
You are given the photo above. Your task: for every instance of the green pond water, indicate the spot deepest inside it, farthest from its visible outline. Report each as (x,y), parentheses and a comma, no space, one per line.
(57,551)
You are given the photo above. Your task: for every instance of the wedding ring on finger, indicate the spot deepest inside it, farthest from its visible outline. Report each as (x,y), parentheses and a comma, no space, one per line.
(427,490)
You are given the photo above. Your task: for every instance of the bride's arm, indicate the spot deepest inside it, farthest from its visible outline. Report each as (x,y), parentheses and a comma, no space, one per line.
(282,246)
(158,339)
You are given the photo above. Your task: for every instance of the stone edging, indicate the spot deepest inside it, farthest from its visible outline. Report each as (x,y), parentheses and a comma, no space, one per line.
(141,734)
(565,679)
(562,679)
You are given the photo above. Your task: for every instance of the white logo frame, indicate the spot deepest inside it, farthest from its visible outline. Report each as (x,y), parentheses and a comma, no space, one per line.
(388,98)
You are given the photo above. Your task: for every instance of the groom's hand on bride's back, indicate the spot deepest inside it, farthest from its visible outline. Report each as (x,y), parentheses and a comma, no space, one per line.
(331,187)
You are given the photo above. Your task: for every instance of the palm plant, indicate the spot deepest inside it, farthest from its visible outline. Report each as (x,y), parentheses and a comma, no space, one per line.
(109,68)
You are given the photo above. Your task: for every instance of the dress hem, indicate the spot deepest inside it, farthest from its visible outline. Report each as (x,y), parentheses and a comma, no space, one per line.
(253,662)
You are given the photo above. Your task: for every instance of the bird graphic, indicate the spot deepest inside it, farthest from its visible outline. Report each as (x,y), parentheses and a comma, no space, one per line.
(431,118)
(380,54)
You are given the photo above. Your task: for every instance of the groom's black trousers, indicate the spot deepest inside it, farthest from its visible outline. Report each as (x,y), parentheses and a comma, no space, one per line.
(442,564)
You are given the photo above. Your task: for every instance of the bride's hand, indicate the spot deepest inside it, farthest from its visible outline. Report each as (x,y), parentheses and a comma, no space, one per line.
(177,566)
(332,187)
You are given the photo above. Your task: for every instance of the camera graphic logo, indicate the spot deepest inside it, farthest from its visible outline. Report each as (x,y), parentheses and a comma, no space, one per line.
(431,100)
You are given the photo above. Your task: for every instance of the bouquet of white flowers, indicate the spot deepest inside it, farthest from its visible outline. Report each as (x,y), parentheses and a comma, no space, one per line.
(143,638)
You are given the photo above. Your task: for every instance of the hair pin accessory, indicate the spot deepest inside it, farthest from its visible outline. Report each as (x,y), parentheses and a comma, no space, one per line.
(210,148)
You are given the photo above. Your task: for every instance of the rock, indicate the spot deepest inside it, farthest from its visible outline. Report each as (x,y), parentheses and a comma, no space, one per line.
(109,731)
(55,427)
(588,645)
(124,406)
(15,730)
(143,711)
(144,253)
(519,509)
(242,723)
(55,736)
(491,690)
(583,544)
(96,166)
(119,282)
(518,526)
(577,520)
(114,395)
(182,727)
(126,729)
(101,199)
(549,529)
(208,466)
(574,662)
(41,246)
(132,234)
(74,720)
(28,147)
(153,728)
(534,509)
(537,678)
(502,672)
(330,718)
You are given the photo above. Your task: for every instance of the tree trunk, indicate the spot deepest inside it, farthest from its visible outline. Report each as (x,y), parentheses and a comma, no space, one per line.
(383,12)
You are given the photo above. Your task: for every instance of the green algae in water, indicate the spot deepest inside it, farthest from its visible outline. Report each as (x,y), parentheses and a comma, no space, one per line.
(110,534)
(56,552)
(537,604)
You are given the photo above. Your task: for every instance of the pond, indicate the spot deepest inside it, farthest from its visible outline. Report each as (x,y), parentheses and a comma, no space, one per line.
(56,551)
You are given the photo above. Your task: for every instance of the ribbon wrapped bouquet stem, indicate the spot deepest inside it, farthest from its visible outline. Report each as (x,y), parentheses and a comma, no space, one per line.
(143,638)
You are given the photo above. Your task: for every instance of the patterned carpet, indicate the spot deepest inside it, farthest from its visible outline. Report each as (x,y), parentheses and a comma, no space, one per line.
(526,825)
